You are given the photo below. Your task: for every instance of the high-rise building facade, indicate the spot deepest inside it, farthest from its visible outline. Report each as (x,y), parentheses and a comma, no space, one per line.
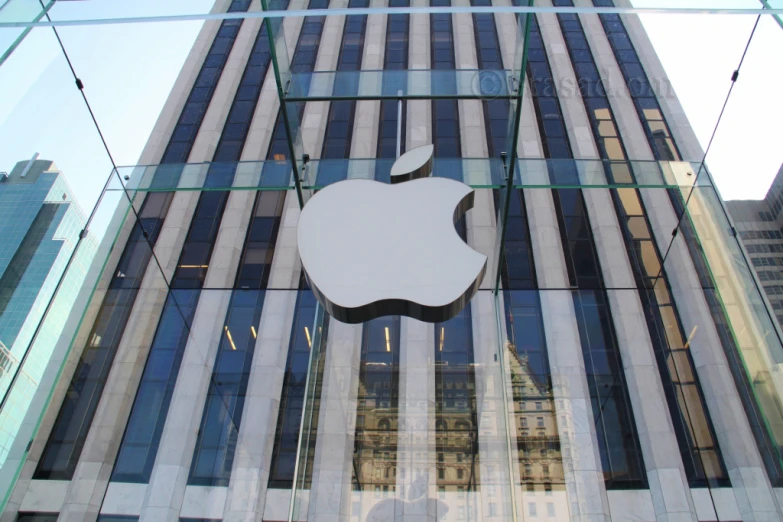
(40,225)
(612,366)
(760,226)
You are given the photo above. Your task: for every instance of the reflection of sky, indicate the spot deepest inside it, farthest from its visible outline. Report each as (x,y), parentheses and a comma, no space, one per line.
(700,54)
(15,11)
(128,70)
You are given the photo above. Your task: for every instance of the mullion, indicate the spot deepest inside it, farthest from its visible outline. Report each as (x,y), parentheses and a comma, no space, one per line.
(292,393)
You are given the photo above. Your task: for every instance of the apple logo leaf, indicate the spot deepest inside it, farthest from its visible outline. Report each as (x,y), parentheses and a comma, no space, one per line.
(370,249)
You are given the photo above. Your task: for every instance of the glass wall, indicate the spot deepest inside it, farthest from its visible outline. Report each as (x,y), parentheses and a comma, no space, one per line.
(293,415)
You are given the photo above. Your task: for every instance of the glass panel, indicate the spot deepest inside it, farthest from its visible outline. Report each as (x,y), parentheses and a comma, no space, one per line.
(19,11)
(413,84)
(31,364)
(305,447)
(476,172)
(750,337)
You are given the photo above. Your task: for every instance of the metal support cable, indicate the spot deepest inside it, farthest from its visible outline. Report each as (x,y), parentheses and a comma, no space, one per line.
(701,170)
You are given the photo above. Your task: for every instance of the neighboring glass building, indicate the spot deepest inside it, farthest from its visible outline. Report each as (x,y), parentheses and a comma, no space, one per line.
(612,365)
(40,224)
(759,224)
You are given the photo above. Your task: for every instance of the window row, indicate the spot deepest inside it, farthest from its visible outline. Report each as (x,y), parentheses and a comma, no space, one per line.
(764,248)
(767,261)
(749,235)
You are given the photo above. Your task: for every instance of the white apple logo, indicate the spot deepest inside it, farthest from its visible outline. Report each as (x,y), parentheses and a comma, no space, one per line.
(370,249)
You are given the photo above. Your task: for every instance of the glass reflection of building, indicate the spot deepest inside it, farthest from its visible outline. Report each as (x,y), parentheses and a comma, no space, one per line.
(40,226)
(759,225)
(610,377)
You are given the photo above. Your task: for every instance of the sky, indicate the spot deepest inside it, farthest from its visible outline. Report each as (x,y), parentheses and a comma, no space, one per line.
(700,53)
(128,71)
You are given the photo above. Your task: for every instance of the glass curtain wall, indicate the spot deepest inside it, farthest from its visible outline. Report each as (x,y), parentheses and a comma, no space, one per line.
(690,418)
(664,148)
(457,415)
(145,426)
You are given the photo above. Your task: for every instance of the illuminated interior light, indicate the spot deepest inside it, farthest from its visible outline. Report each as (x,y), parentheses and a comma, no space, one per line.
(309,341)
(253,331)
(194,266)
(230,340)
(442,335)
(388,346)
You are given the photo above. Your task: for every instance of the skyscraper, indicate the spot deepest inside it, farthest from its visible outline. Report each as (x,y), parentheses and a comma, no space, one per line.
(40,224)
(760,227)
(615,363)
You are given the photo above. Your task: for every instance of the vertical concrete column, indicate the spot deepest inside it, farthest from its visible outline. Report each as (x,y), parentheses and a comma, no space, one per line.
(316,113)
(246,496)
(365,125)
(419,112)
(247,488)
(163,499)
(755,497)
(416,424)
(89,482)
(495,500)
(166,489)
(268,106)
(665,472)
(416,476)
(473,139)
(584,481)
(330,496)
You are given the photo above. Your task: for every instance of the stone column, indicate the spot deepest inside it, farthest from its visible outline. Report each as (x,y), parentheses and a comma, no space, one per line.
(665,472)
(365,126)
(419,121)
(416,475)
(755,497)
(330,495)
(313,124)
(584,481)
(247,491)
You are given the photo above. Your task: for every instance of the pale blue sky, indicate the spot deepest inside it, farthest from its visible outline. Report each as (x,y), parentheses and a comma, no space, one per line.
(128,71)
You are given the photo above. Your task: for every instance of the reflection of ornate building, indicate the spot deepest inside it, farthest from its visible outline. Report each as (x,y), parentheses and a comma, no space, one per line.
(535,421)
(375,446)
(456,459)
